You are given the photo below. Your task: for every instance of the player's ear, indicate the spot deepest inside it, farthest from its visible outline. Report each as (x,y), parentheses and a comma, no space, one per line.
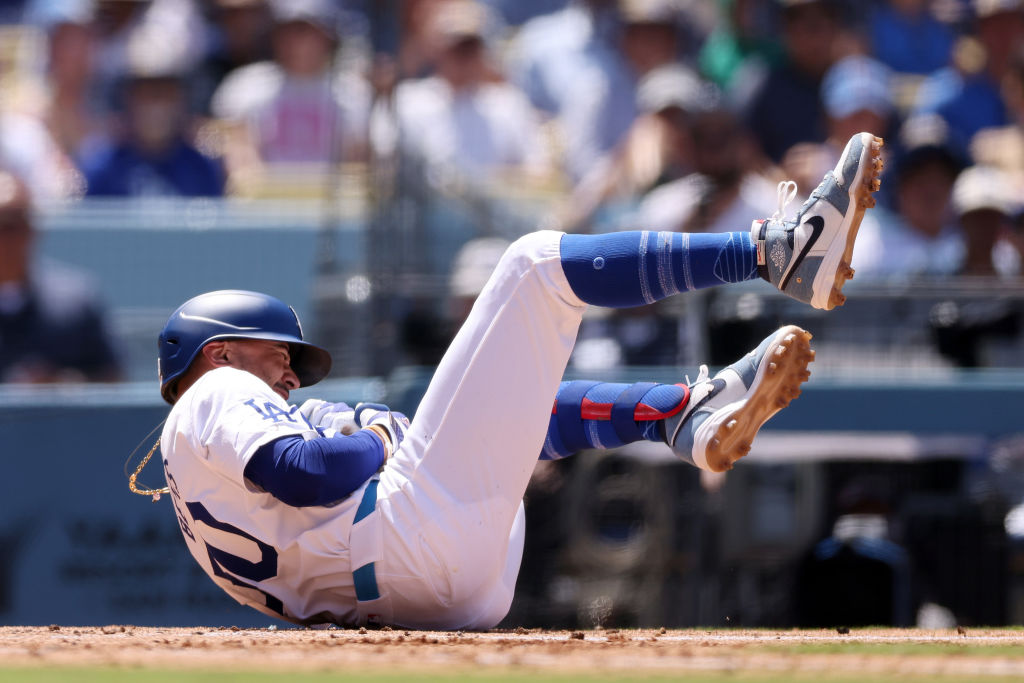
(216,353)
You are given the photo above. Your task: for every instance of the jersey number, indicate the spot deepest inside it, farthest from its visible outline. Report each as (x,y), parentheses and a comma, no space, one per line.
(230,566)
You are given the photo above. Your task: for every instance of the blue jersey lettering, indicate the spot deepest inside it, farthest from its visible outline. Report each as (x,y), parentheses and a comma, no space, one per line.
(271,412)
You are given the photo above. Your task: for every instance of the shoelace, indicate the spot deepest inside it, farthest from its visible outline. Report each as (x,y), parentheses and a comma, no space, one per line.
(787,193)
(702,376)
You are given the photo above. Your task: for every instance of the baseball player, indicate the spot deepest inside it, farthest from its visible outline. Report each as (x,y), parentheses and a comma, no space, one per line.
(325,513)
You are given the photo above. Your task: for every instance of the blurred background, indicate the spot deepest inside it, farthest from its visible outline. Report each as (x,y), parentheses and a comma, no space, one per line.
(369,161)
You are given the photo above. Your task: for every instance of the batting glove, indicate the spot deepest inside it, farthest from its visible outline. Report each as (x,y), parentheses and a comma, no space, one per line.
(379,416)
(337,416)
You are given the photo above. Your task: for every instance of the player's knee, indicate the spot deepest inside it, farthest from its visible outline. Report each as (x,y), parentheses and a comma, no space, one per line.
(531,249)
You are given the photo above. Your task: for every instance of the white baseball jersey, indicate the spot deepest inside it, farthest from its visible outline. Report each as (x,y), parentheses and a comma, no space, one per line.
(285,561)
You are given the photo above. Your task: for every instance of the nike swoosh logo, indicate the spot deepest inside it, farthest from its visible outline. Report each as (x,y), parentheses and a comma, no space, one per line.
(817,224)
(717,385)
(201,318)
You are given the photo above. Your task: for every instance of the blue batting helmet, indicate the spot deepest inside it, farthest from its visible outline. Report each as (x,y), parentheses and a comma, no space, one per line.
(234,314)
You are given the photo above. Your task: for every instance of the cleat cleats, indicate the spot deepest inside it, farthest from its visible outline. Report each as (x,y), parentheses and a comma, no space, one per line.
(725,412)
(808,258)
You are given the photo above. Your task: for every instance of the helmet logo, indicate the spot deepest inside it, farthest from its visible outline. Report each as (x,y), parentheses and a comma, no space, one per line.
(201,318)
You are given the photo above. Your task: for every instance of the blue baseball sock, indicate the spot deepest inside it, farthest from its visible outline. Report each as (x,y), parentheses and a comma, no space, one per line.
(606,415)
(624,269)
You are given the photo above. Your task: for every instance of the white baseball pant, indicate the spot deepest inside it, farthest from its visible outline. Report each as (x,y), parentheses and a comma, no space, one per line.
(446,539)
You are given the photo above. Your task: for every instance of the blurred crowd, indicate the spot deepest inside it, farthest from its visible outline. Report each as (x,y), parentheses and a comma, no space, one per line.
(657,114)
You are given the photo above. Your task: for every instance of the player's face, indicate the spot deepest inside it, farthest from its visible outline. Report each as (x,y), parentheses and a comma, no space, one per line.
(268,360)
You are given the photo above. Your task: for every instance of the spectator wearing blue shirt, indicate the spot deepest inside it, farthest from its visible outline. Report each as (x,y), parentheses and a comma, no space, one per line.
(52,325)
(906,37)
(153,156)
(967,95)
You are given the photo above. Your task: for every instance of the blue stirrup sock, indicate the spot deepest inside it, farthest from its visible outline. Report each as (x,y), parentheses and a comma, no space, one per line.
(624,269)
(608,415)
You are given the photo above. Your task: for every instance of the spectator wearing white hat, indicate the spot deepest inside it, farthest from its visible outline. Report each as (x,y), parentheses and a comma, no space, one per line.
(983,204)
(153,154)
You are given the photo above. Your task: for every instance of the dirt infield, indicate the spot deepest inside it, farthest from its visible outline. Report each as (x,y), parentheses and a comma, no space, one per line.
(964,652)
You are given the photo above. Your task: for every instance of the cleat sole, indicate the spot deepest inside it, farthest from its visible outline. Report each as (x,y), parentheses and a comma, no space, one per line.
(871,182)
(770,393)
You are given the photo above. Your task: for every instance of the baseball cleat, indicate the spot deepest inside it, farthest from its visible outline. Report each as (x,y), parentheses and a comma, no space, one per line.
(808,257)
(725,412)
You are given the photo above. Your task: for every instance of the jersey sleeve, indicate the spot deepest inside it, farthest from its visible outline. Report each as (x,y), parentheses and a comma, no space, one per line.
(234,413)
(304,473)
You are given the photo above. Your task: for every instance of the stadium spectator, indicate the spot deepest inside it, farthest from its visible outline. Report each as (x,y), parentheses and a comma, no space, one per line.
(983,203)
(462,120)
(786,108)
(919,236)
(51,324)
(152,156)
(241,36)
(571,66)
(655,150)
(1003,146)
(906,36)
(68,100)
(27,149)
(652,34)
(119,21)
(723,190)
(967,95)
(856,96)
(297,109)
(744,40)
(407,36)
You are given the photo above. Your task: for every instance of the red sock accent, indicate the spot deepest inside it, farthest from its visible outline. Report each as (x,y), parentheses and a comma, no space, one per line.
(645,413)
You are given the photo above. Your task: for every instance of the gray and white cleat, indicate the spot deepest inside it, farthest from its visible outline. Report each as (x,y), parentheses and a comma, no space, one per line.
(724,413)
(808,257)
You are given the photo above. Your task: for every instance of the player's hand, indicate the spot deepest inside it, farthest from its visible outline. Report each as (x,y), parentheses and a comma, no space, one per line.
(343,422)
(337,416)
(395,424)
(315,409)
